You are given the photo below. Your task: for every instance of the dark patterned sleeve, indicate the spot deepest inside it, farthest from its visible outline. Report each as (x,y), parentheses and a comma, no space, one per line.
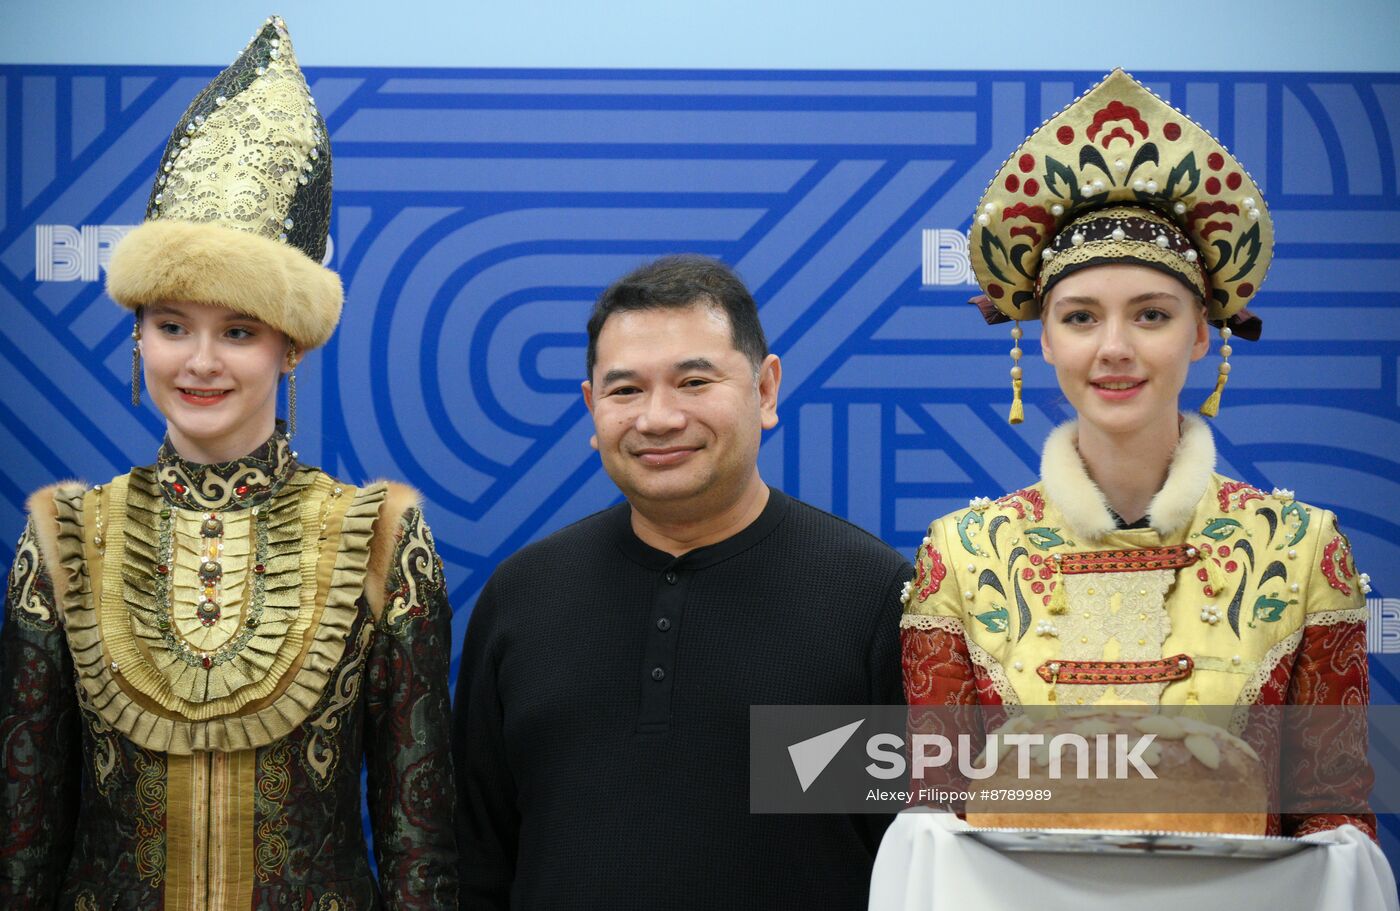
(488,827)
(38,737)
(412,792)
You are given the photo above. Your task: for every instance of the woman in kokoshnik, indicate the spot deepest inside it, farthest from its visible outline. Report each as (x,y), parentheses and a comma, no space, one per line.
(199,657)
(1132,573)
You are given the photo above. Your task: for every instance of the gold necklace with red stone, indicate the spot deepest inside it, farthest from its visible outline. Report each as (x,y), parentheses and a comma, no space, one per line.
(209,609)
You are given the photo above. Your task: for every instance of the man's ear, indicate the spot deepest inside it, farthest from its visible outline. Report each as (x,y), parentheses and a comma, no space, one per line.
(587,388)
(770,378)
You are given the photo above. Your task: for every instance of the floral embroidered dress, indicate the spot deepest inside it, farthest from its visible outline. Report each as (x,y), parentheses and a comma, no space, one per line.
(1227,596)
(196,664)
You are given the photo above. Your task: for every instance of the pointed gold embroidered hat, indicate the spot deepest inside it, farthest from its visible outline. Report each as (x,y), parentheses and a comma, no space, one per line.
(1201,218)
(240,212)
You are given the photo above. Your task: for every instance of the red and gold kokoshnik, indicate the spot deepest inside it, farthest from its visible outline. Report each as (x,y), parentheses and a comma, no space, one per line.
(1118,146)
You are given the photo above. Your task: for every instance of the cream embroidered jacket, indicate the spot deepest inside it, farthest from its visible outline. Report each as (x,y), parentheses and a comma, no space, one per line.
(1230,597)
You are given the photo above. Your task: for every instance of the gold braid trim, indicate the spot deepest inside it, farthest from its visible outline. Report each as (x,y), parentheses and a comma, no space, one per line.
(1121,251)
(314,589)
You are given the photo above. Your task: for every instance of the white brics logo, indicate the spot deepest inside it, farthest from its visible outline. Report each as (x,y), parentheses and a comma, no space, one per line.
(1383,625)
(63,253)
(945,258)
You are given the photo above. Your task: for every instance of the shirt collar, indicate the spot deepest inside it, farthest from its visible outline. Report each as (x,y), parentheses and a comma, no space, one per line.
(638,551)
(226,485)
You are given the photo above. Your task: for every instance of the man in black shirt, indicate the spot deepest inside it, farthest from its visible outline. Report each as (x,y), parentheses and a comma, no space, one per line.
(602,714)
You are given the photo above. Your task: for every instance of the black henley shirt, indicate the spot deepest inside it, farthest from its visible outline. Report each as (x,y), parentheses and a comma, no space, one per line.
(602,716)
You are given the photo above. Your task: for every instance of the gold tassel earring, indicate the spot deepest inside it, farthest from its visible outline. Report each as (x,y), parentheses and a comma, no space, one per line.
(136,364)
(292,395)
(1018,412)
(1212,405)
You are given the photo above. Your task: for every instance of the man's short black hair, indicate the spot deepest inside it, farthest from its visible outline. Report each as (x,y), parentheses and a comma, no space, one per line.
(676,282)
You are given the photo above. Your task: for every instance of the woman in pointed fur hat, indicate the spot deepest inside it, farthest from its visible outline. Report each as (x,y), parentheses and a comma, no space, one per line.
(1133,573)
(217,645)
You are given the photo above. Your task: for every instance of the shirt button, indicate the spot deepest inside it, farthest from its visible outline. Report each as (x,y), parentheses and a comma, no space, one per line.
(671,577)
(663,624)
(658,673)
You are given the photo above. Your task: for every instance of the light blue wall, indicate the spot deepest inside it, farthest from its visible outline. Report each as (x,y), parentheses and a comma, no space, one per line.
(1236,35)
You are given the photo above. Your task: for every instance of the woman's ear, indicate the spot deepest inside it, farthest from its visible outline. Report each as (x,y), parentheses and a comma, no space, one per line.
(1201,344)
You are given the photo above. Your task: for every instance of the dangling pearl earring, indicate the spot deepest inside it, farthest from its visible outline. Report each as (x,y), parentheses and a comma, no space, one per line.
(292,394)
(136,364)
(1018,412)
(1212,405)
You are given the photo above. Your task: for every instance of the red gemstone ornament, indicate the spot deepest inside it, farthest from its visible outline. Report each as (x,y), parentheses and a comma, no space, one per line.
(206,661)
(178,487)
(162,569)
(259,568)
(241,490)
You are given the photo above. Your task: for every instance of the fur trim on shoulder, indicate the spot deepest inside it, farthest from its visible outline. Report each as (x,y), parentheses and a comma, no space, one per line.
(43,513)
(1082,503)
(1069,487)
(226,267)
(1192,465)
(398,499)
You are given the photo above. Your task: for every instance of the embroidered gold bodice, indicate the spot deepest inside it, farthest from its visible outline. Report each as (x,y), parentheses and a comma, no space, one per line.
(212,601)
(1057,605)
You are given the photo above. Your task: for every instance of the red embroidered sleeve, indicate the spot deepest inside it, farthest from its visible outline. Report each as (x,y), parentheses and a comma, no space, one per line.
(937,670)
(1325,760)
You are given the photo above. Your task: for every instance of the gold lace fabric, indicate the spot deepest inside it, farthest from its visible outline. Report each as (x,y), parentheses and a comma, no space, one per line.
(242,166)
(137,684)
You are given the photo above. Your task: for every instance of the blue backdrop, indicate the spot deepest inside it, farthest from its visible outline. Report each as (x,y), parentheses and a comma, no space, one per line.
(479,212)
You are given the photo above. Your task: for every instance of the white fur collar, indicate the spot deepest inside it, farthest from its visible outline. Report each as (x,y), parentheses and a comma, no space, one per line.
(1079,500)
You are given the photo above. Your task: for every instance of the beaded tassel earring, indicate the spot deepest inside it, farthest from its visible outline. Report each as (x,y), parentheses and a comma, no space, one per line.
(292,394)
(1018,412)
(136,364)
(1212,405)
